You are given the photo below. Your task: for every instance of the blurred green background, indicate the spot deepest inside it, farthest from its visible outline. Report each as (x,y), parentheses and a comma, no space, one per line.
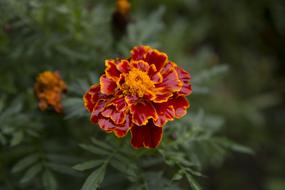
(247,36)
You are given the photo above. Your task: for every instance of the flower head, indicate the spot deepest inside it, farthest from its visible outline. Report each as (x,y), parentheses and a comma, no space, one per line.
(123,6)
(139,94)
(48,88)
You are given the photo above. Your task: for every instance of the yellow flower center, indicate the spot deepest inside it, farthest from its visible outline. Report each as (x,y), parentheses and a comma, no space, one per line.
(137,83)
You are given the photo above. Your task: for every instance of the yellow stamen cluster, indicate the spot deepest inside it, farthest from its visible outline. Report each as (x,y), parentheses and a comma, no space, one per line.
(137,83)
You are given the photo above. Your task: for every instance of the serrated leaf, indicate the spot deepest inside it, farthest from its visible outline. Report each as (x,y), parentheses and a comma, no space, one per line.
(25,162)
(101,144)
(31,173)
(192,182)
(241,149)
(49,181)
(95,179)
(123,168)
(17,138)
(177,176)
(195,173)
(234,146)
(87,165)
(3,139)
(94,149)
(63,169)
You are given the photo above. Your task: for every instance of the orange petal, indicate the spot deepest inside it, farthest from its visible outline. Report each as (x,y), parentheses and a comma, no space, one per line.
(118,117)
(165,113)
(106,124)
(156,78)
(107,85)
(148,136)
(124,66)
(141,112)
(111,70)
(180,105)
(154,75)
(157,58)
(99,106)
(109,126)
(170,79)
(131,100)
(185,77)
(139,52)
(150,95)
(122,130)
(91,96)
(141,65)
(162,95)
(120,103)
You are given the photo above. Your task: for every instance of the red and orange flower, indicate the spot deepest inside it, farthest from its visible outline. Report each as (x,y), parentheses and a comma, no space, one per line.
(140,94)
(49,88)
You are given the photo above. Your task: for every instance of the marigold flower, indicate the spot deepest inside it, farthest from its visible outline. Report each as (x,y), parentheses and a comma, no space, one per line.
(123,6)
(49,88)
(139,94)
(120,19)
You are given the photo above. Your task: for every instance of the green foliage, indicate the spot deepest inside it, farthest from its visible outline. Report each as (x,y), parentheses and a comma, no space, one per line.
(45,150)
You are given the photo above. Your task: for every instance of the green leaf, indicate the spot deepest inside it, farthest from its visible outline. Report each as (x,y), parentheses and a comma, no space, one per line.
(3,139)
(49,181)
(95,179)
(241,149)
(87,165)
(25,162)
(63,169)
(195,173)
(17,138)
(31,173)
(101,144)
(192,181)
(234,146)
(177,176)
(94,149)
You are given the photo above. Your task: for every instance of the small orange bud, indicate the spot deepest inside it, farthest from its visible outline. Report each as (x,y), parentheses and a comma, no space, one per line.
(48,88)
(123,6)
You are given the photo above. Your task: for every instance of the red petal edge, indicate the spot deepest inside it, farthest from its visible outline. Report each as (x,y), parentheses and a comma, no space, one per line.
(148,136)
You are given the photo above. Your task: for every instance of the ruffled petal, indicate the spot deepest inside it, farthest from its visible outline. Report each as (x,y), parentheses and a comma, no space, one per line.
(131,100)
(148,136)
(90,98)
(118,117)
(170,79)
(106,124)
(157,58)
(142,112)
(109,126)
(120,103)
(185,77)
(123,66)
(180,105)
(165,113)
(98,108)
(141,65)
(111,70)
(122,130)
(139,52)
(107,85)
(156,78)
(162,95)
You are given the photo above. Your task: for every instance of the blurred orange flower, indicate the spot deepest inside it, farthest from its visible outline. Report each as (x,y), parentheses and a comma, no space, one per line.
(140,94)
(123,6)
(49,88)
